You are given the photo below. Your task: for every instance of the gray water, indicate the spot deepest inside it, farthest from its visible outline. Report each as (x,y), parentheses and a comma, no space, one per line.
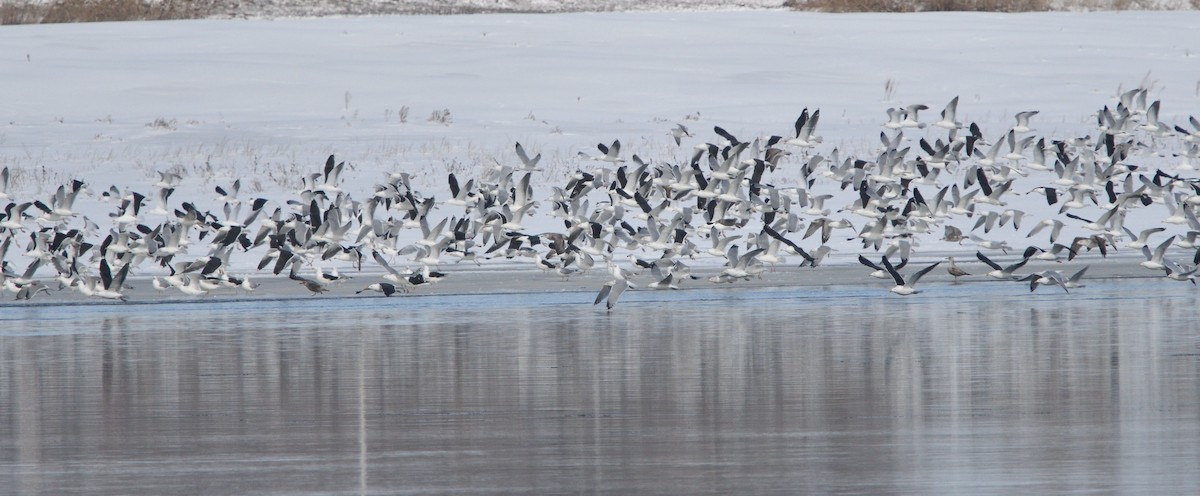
(971,389)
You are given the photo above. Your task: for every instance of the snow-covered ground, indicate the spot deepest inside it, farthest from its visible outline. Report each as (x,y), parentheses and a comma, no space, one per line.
(267,101)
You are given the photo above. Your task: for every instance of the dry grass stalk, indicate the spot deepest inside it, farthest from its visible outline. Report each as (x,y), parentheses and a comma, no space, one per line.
(60,11)
(842,6)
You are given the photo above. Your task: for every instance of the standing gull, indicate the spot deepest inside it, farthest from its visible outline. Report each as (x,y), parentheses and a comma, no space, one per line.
(955,271)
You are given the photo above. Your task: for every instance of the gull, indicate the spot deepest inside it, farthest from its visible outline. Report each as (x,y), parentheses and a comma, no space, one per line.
(547,265)
(1023,121)
(955,271)
(873,234)
(32,289)
(1175,210)
(1114,218)
(13,282)
(1013,215)
(620,274)
(808,258)
(1114,125)
(61,204)
(991,194)
(192,286)
(880,272)
(990,244)
(178,275)
(1190,240)
(930,168)
(682,272)
(611,290)
(1174,272)
(414,281)
(826,226)
(805,125)
(1134,100)
(1053,254)
(1152,124)
(1191,155)
(563,271)
(720,244)
(1055,228)
(160,206)
(771,254)
(1050,193)
(952,234)
(895,118)
(988,221)
(679,132)
(1015,149)
(431,236)
(458,195)
(329,277)
(816,205)
(1052,277)
(229,197)
(428,255)
(910,116)
(963,204)
(109,286)
(902,288)
(731,139)
(818,255)
(1098,241)
(1078,195)
(160,284)
(1192,136)
(649,211)
(1073,281)
(331,173)
(948,121)
(611,154)
(1154,261)
(739,267)
(112,192)
(988,159)
(245,284)
(999,272)
(386,288)
(530,164)
(1139,240)
(1038,161)
(661,281)
(167,180)
(14,215)
(127,213)
(312,285)
(4,184)
(902,245)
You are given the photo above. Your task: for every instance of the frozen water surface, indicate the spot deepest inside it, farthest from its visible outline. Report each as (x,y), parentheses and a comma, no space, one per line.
(969,389)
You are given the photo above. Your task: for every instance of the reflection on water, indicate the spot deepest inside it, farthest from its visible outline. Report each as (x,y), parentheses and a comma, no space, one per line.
(973,389)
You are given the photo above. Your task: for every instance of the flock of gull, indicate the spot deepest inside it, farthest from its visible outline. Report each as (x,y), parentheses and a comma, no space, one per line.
(733,208)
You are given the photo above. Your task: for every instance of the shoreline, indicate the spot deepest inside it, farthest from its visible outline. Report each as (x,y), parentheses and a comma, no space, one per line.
(516,280)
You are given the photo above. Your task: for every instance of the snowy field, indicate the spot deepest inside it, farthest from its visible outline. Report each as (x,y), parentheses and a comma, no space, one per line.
(117,105)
